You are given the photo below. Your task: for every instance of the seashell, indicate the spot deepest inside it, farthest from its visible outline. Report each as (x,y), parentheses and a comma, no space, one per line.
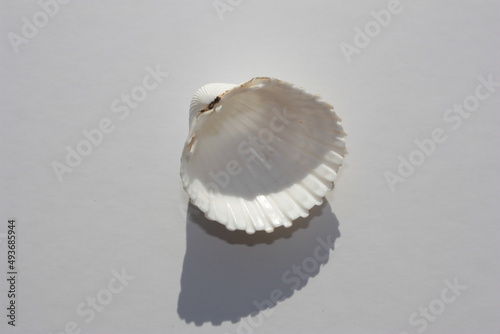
(260,154)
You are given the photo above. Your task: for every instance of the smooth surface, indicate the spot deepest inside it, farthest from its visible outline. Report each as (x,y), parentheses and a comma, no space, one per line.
(123,206)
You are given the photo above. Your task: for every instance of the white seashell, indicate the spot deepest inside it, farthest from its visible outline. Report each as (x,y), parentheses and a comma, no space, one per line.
(260,154)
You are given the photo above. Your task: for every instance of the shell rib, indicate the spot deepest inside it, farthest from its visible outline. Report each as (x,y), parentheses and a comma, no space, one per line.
(260,154)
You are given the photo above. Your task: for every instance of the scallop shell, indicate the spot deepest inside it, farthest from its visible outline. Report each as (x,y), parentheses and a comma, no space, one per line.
(260,154)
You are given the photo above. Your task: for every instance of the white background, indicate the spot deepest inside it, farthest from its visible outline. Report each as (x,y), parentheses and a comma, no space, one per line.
(124,208)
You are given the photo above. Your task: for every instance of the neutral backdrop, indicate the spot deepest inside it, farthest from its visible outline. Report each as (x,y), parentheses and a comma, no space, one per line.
(391,242)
